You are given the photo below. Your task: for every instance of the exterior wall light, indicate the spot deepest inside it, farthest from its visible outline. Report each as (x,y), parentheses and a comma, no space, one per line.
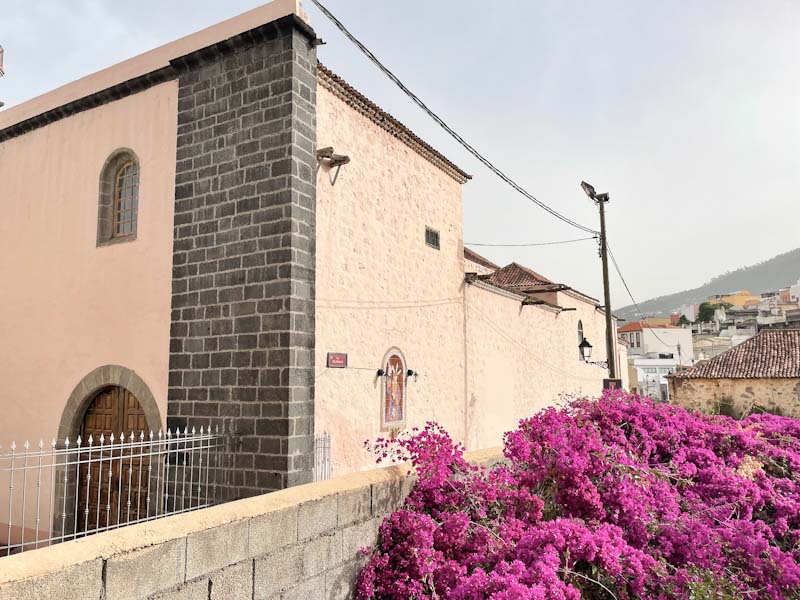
(413,374)
(334,160)
(586,350)
(381,373)
(586,353)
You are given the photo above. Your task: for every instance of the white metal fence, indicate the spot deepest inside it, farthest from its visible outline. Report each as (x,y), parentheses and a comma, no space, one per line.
(70,490)
(322,456)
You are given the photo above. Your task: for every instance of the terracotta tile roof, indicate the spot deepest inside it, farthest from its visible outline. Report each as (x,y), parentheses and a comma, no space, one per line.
(477,258)
(358,101)
(516,278)
(771,354)
(639,325)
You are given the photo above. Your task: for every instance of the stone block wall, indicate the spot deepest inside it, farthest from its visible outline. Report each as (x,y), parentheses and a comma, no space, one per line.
(242,326)
(737,396)
(294,544)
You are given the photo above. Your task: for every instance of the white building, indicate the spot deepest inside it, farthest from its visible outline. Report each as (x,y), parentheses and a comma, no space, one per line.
(689,311)
(658,341)
(794,291)
(651,376)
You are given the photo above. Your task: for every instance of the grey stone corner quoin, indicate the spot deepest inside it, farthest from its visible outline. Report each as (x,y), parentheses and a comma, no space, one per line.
(242,320)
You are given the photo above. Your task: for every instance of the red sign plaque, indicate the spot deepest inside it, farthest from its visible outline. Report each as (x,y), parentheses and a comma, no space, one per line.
(337,360)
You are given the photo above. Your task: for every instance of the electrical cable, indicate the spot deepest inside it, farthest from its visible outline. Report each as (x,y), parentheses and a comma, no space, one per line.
(366,51)
(531,244)
(636,304)
(522,346)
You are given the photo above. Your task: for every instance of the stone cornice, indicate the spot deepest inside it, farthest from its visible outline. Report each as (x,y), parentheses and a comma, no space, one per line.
(148,80)
(359,102)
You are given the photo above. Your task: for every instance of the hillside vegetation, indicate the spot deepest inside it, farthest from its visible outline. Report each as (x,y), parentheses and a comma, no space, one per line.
(769,275)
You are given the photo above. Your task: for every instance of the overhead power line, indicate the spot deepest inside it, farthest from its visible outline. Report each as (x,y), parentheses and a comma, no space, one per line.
(531,244)
(636,304)
(366,51)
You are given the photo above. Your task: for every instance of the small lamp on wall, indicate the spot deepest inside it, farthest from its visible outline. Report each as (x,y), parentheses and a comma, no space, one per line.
(586,353)
(411,373)
(381,373)
(586,350)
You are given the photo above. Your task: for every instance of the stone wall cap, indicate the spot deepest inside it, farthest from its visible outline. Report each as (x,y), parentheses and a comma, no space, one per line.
(337,86)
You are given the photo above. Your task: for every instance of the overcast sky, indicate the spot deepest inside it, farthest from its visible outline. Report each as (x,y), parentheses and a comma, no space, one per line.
(686,112)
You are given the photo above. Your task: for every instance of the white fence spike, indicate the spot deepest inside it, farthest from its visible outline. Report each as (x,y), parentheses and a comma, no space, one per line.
(80,487)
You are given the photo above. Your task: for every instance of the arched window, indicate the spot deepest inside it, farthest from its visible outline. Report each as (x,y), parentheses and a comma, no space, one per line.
(119,198)
(393,397)
(580,338)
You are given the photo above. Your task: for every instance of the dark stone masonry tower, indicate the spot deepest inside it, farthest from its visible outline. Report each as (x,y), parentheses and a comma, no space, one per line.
(242,327)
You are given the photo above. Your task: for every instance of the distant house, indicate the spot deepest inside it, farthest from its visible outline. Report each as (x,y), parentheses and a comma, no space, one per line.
(741,298)
(655,350)
(655,340)
(762,373)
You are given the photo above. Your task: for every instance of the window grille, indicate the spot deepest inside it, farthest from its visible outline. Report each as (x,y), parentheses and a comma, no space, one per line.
(126,198)
(432,238)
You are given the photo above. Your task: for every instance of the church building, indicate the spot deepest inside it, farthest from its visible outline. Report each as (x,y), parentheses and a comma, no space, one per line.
(224,231)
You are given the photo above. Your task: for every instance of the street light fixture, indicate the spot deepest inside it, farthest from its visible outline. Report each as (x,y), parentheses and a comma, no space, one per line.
(586,353)
(600,200)
(586,350)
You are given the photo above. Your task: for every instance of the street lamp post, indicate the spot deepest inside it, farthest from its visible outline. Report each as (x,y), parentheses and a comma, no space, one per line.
(600,200)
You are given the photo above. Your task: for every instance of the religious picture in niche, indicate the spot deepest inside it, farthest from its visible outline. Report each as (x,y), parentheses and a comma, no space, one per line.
(394,391)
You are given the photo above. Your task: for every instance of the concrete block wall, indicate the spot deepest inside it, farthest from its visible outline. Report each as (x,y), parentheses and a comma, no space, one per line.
(295,544)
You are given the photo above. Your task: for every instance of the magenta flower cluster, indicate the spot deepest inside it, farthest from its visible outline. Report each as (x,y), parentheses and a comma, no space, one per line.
(611,498)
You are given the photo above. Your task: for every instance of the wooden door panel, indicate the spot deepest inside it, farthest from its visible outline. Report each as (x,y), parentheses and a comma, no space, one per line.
(121,497)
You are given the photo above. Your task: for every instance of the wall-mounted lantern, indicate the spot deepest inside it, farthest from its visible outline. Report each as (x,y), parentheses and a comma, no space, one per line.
(586,353)
(586,350)
(413,374)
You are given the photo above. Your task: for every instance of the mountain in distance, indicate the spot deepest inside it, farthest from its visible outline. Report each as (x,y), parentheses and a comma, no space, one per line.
(770,275)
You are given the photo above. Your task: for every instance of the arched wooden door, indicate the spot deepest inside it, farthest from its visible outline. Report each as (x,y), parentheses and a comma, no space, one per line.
(113,482)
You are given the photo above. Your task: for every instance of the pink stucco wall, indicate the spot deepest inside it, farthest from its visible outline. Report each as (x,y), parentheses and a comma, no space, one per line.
(522,359)
(379,285)
(70,306)
(67,305)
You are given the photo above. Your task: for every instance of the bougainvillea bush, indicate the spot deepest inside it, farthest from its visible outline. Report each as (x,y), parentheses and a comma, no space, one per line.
(611,498)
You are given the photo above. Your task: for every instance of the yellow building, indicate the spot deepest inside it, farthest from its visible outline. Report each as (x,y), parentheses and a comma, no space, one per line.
(741,298)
